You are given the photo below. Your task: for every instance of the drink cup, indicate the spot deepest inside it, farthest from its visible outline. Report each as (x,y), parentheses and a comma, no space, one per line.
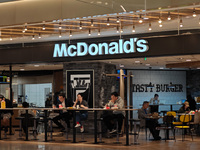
(77,106)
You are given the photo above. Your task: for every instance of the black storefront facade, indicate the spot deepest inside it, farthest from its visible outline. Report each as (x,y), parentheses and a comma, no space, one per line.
(112,48)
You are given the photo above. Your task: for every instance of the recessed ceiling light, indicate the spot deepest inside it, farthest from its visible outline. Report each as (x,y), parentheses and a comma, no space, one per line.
(36,65)
(198,68)
(137,61)
(22,69)
(147,64)
(122,66)
(188,60)
(161,67)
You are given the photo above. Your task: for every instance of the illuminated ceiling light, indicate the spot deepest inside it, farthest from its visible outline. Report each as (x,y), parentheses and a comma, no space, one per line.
(160,25)
(147,64)
(137,61)
(22,69)
(39,36)
(121,30)
(133,30)
(150,27)
(108,23)
(99,33)
(60,27)
(23,31)
(194,13)
(199,20)
(25,28)
(43,27)
(140,21)
(0,39)
(160,21)
(33,37)
(181,23)
(70,33)
(92,23)
(80,26)
(11,38)
(169,17)
(89,32)
(60,35)
(117,29)
(117,20)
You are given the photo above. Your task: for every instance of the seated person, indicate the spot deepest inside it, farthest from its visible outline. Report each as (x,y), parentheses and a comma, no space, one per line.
(82,114)
(64,115)
(22,113)
(109,119)
(147,122)
(155,100)
(185,108)
(6,114)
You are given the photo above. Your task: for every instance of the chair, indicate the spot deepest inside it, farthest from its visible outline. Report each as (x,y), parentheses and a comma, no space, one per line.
(185,119)
(173,113)
(168,125)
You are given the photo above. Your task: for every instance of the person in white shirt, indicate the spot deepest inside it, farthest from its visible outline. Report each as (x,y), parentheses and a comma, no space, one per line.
(155,100)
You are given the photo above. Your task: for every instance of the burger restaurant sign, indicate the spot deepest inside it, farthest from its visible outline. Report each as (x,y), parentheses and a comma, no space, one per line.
(132,45)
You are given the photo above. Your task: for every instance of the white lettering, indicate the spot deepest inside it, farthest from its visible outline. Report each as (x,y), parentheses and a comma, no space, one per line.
(129,46)
(59,52)
(142,47)
(101,45)
(81,52)
(70,53)
(114,49)
(93,49)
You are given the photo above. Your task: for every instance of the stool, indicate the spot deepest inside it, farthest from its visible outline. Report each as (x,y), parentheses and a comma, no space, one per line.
(35,128)
(136,134)
(66,134)
(117,139)
(20,127)
(51,129)
(100,132)
(82,133)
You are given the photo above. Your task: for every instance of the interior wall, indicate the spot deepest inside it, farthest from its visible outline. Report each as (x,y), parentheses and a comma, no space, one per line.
(158,78)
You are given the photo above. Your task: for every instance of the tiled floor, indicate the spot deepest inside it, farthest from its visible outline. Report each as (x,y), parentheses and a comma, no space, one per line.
(59,144)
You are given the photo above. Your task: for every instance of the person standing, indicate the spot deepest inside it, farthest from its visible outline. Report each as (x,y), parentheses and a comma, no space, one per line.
(82,114)
(109,119)
(154,100)
(145,121)
(63,115)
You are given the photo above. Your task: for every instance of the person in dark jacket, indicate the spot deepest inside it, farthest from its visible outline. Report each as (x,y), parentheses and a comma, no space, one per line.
(82,114)
(185,108)
(191,102)
(63,115)
(6,114)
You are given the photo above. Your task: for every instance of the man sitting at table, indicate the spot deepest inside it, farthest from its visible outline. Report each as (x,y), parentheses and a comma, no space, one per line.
(146,121)
(63,115)
(6,114)
(155,100)
(109,119)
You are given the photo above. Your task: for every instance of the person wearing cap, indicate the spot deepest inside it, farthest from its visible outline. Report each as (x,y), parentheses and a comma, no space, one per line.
(6,114)
(185,108)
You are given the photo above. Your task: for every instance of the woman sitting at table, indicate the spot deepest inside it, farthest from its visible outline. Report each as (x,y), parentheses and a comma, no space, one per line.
(185,108)
(82,114)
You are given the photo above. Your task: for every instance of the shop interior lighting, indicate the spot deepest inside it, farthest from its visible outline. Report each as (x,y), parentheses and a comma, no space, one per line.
(80,26)
(25,28)
(0,39)
(60,35)
(133,30)
(11,38)
(121,29)
(194,13)
(108,22)
(150,27)
(169,17)
(160,20)
(160,25)
(140,20)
